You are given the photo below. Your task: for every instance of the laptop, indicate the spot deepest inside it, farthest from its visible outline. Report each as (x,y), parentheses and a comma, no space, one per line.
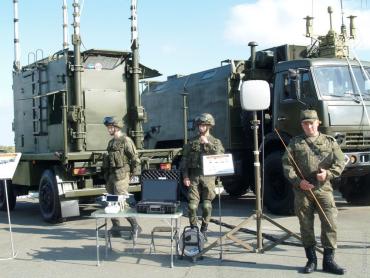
(159,196)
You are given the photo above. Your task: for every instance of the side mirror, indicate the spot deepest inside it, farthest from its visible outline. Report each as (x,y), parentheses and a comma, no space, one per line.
(255,95)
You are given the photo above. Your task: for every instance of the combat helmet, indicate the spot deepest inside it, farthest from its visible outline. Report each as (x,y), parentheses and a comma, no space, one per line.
(206,119)
(113,121)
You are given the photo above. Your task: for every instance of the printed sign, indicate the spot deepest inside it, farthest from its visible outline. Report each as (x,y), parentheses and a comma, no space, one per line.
(218,165)
(8,164)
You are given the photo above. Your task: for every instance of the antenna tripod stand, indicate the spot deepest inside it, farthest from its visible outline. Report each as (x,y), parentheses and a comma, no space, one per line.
(259,215)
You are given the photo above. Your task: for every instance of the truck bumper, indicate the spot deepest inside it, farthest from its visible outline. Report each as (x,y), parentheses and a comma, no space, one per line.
(357,164)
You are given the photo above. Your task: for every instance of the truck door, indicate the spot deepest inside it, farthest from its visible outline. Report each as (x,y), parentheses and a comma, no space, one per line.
(288,104)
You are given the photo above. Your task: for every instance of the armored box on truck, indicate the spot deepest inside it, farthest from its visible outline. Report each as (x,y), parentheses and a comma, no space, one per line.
(59,105)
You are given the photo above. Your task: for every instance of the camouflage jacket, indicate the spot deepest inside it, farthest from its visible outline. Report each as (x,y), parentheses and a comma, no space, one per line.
(122,153)
(323,153)
(194,150)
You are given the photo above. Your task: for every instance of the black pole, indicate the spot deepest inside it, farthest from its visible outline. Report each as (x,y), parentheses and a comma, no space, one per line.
(185,116)
(257,180)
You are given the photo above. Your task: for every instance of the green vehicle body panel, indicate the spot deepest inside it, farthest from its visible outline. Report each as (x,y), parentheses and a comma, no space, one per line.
(38,116)
(216,91)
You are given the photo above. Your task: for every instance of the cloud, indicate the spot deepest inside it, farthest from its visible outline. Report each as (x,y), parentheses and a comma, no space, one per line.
(168,49)
(276,22)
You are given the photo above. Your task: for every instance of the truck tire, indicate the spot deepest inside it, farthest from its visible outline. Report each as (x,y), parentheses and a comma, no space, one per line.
(278,193)
(12,197)
(49,198)
(238,184)
(234,187)
(356,190)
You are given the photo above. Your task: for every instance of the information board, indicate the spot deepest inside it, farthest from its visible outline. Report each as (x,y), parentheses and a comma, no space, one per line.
(8,164)
(218,165)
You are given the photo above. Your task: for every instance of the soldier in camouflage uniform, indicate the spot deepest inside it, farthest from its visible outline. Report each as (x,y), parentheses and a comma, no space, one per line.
(120,163)
(320,159)
(192,170)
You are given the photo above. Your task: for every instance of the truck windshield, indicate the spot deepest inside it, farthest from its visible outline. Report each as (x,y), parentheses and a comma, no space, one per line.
(336,81)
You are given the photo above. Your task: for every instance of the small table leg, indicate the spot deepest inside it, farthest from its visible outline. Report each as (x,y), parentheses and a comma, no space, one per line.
(97,243)
(106,237)
(172,242)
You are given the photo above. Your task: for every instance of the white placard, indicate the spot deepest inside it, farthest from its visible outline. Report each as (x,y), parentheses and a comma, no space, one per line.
(8,164)
(218,165)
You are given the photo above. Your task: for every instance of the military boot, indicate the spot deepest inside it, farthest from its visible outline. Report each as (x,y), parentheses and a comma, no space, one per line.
(311,264)
(329,265)
(203,230)
(136,229)
(115,231)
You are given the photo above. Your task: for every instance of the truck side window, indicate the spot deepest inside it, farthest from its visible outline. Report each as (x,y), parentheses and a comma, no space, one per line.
(306,86)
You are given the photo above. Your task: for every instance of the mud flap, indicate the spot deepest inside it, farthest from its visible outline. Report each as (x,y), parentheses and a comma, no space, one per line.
(69,208)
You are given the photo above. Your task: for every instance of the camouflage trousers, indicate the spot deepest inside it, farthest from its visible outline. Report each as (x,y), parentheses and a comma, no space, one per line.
(118,187)
(201,187)
(305,208)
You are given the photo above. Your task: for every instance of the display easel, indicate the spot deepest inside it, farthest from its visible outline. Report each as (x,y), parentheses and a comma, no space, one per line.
(7,170)
(218,165)
(14,254)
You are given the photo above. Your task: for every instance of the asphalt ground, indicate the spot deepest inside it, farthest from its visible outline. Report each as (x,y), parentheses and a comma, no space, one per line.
(68,249)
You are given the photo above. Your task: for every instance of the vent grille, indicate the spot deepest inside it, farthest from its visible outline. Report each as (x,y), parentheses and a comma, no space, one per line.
(357,139)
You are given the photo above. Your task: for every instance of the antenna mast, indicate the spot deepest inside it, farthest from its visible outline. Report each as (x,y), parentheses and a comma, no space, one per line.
(343,29)
(138,112)
(77,67)
(65,25)
(17,63)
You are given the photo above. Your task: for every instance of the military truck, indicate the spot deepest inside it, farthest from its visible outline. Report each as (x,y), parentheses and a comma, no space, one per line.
(320,76)
(59,105)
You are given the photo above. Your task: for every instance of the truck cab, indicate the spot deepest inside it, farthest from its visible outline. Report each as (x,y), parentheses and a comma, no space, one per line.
(338,89)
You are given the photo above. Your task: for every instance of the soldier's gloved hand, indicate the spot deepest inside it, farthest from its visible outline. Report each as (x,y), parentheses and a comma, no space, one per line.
(321,175)
(203,139)
(305,185)
(186,182)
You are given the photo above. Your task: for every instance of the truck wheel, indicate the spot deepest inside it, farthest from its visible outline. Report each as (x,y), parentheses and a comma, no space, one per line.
(235,187)
(356,190)
(243,179)
(49,198)
(12,197)
(278,193)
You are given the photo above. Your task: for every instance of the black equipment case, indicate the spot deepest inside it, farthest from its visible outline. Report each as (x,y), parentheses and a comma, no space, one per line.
(159,191)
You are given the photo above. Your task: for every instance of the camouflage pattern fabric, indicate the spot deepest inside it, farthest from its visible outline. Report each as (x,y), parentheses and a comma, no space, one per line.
(310,156)
(201,187)
(120,162)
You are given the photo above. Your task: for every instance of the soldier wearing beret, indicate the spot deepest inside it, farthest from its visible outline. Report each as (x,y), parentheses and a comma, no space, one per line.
(200,186)
(319,159)
(120,163)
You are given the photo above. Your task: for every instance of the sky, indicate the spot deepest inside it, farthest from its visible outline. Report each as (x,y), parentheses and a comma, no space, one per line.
(175,36)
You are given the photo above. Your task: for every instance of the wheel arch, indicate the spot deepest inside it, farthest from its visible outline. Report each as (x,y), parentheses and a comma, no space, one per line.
(272,142)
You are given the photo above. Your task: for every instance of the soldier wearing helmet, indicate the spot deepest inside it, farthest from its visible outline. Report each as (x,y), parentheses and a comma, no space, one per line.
(200,187)
(120,163)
